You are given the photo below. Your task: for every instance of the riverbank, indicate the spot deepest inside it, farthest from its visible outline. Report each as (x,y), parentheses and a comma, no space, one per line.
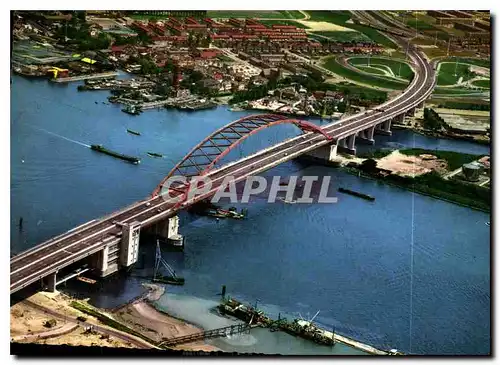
(142,316)
(55,318)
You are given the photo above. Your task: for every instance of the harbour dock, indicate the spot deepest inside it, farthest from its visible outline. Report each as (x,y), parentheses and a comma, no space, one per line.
(302,328)
(85,77)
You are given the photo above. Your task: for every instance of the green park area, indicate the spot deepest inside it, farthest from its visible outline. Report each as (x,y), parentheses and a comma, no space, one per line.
(340,36)
(272,14)
(450,73)
(482,83)
(333,65)
(270,22)
(342,18)
(383,66)
(372,70)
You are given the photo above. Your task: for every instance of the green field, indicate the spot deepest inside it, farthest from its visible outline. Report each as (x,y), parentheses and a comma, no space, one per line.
(344,36)
(244,14)
(371,70)
(384,82)
(283,22)
(341,18)
(482,83)
(472,61)
(454,91)
(450,72)
(292,14)
(394,65)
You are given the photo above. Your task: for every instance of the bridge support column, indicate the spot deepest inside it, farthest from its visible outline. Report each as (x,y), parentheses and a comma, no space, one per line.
(421,104)
(129,250)
(348,144)
(326,153)
(411,112)
(384,128)
(400,118)
(51,282)
(168,230)
(366,136)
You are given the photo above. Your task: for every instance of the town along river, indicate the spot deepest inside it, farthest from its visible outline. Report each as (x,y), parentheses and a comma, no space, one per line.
(351,260)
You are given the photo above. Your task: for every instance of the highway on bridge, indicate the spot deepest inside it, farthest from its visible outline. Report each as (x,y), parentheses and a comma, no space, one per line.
(59,252)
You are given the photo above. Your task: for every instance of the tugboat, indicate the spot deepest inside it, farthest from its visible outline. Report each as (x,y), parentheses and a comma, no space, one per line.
(131,109)
(133,132)
(154,154)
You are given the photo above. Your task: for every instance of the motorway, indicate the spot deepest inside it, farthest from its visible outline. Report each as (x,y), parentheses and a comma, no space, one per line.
(82,241)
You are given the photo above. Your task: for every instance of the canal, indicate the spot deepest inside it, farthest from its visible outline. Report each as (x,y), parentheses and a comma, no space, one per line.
(406,271)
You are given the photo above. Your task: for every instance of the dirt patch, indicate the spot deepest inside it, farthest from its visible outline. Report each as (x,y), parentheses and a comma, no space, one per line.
(79,337)
(145,319)
(323,26)
(25,320)
(403,165)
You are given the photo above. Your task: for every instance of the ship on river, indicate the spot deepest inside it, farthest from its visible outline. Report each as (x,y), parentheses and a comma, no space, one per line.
(100,148)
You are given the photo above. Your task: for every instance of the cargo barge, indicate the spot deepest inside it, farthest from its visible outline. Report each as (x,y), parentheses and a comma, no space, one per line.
(355,193)
(154,154)
(133,132)
(100,148)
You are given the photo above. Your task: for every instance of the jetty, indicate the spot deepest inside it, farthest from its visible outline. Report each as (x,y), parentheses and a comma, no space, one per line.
(301,328)
(85,77)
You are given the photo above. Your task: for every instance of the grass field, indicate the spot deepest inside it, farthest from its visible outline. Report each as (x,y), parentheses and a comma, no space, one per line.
(472,61)
(345,36)
(455,91)
(450,72)
(331,64)
(341,18)
(283,22)
(394,65)
(482,83)
(292,14)
(246,14)
(371,70)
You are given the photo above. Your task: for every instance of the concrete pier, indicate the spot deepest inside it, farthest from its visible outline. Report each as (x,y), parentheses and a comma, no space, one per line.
(348,144)
(51,282)
(167,230)
(129,250)
(384,128)
(326,153)
(366,136)
(85,77)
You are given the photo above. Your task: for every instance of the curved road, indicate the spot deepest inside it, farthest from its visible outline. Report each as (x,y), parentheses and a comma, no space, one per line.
(74,245)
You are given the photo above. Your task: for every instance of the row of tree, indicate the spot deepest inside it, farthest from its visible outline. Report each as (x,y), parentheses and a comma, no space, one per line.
(432,120)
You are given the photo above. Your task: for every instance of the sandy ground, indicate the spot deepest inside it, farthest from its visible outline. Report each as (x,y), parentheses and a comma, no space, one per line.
(25,320)
(323,26)
(26,323)
(79,337)
(145,319)
(401,164)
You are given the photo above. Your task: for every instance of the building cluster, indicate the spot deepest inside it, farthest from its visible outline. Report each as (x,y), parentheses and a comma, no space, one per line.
(297,100)
(474,29)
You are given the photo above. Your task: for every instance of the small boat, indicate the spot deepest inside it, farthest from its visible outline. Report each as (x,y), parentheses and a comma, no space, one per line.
(487,223)
(133,132)
(154,154)
(131,109)
(86,280)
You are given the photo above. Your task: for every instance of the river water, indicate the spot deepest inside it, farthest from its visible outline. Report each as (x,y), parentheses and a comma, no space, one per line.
(406,271)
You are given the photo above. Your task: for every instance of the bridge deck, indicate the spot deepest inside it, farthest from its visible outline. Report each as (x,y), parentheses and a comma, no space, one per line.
(74,245)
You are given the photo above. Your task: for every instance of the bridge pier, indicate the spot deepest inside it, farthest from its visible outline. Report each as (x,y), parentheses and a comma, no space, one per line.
(327,153)
(411,112)
(421,104)
(384,128)
(129,246)
(51,282)
(366,136)
(168,230)
(348,144)
(400,118)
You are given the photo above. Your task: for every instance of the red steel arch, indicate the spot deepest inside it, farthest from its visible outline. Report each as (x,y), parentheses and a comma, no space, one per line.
(218,144)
